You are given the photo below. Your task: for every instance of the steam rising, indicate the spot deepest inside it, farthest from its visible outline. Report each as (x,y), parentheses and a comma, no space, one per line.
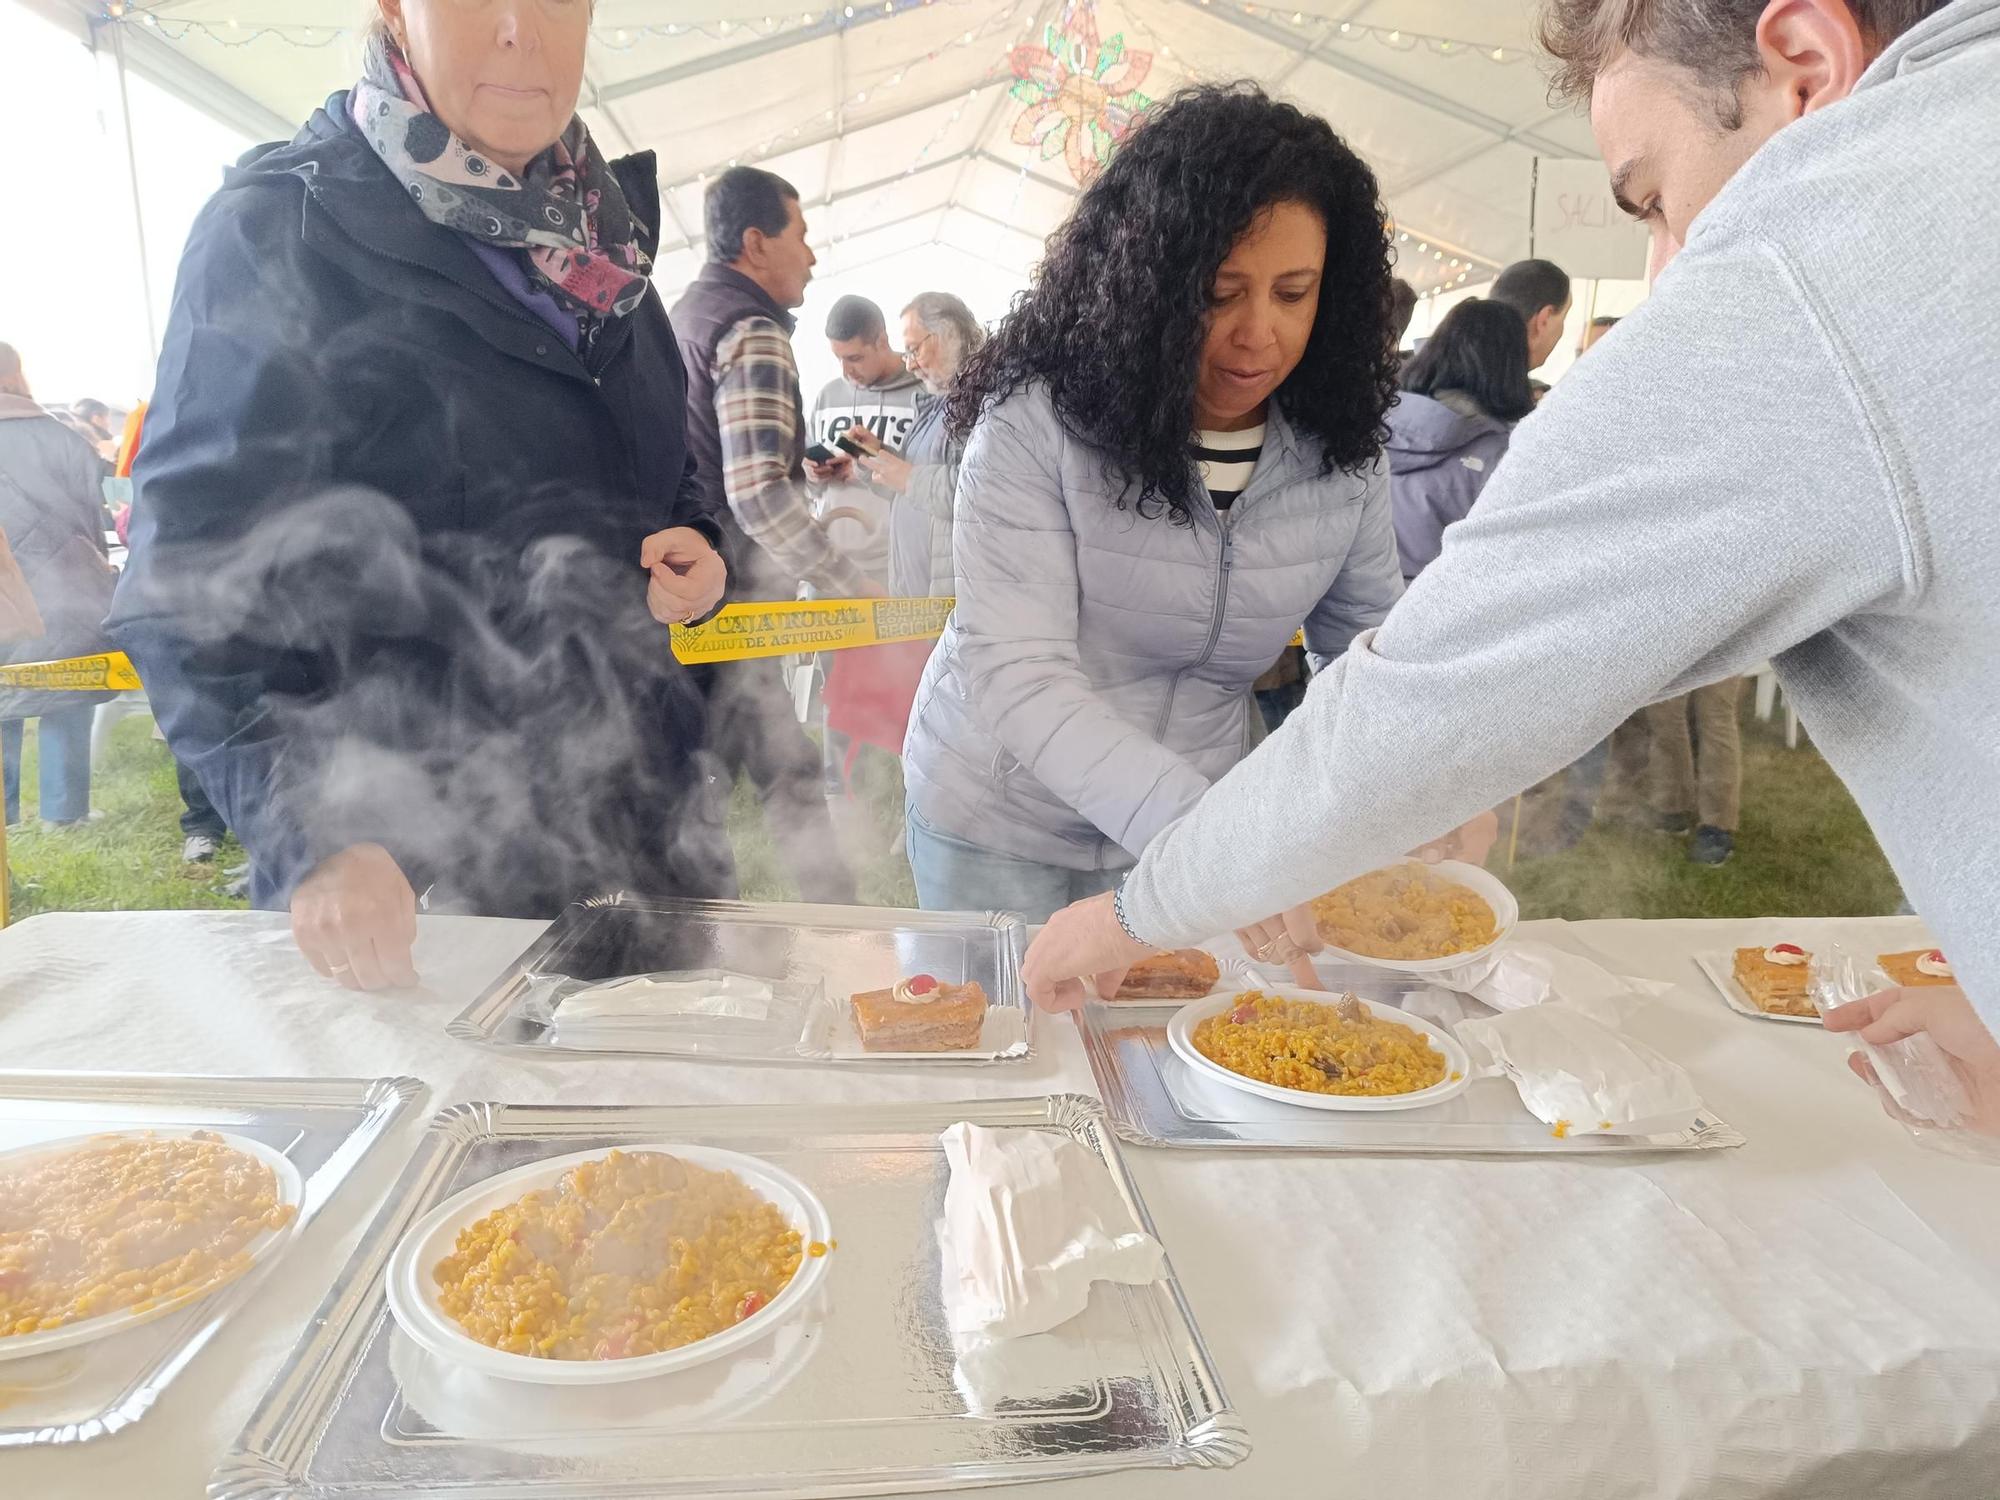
(503,715)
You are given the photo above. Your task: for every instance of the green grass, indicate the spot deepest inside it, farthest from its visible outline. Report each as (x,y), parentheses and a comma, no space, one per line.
(130,858)
(1803,850)
(868,826)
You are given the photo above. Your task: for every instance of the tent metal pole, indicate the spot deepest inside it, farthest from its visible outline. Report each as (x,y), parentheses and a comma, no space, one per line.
(138,209)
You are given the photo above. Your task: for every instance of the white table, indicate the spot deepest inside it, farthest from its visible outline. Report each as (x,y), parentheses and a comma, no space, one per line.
(1816,1314)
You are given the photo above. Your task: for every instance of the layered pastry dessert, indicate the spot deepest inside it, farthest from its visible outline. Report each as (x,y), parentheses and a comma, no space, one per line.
(1775,978)
(1185,974)
(1925,967)
(920,1014)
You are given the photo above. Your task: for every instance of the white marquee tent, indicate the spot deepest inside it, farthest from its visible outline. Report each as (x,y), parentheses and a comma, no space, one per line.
(938,141)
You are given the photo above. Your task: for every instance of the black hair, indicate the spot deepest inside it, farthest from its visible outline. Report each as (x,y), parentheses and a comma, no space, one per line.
(1116,318)
(1604,320)
(1480,347)
(1528,286)
(855,318)
(1402,308)
(740,200)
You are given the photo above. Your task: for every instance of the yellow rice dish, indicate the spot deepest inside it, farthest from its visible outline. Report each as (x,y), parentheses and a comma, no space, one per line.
(1342,1048)
(634,1254)
(125,1222)
(1405,911)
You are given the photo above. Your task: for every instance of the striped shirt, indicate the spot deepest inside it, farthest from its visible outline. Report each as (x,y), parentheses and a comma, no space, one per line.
(1227,460)
(757,410)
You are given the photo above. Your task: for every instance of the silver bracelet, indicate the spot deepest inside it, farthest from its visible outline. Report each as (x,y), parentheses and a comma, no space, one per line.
(1124,924)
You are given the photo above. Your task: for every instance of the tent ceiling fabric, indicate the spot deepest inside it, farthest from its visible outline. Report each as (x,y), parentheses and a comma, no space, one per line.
(895,120)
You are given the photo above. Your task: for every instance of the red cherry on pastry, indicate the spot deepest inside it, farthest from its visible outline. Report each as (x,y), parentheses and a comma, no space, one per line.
(923,984)
(1787,948)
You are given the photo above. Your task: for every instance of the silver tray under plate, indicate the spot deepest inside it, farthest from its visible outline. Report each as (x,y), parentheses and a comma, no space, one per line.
(833,950)
(1155,1099)
(863,1394)
(325,1125)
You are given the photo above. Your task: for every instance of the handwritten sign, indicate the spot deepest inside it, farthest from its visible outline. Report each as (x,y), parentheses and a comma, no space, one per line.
(1578,225)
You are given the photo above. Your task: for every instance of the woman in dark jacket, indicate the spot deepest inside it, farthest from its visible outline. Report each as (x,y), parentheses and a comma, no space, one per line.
(51,504)
(413,511)
(1463,391)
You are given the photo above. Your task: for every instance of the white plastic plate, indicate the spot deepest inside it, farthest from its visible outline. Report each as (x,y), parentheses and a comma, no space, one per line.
(1506,916)
(1180,1036)
(291,1190)
(412,1292)
(1721,971)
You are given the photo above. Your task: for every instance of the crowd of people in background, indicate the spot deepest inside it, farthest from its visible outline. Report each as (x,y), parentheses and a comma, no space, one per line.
(859,494)
(422,432)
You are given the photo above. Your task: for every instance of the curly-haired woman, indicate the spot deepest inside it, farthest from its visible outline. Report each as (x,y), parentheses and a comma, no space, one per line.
(1173,464)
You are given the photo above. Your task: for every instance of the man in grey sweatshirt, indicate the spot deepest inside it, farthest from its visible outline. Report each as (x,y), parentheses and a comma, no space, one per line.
(874,390)
(1759,466)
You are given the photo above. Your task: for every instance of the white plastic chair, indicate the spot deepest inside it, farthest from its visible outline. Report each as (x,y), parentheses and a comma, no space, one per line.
(109,714)
(1767,704)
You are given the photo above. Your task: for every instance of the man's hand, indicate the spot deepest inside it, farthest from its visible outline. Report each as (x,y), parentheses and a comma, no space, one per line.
(687,575)
(355,919)
(1944,1014)
(1290,939)
(836,470)
(891,470)
(1079,942)
(1469,843)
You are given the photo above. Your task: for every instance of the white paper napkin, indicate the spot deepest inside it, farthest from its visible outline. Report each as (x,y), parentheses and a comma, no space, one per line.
(646,997)
(1576,1073)
(1030,1221)
(1525,973)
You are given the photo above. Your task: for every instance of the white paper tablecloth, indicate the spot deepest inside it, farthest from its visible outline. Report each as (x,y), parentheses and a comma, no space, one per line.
(1814,1315)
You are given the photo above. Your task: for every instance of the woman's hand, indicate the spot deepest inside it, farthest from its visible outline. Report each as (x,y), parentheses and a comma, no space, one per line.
(688,575)
(836,470)
(891,470)
(1079,942)
(1944,1014)
(355,919)
(1469,843)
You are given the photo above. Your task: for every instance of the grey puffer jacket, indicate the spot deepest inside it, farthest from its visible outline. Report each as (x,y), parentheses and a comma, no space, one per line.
(920,564)
(1441,453)
(52,508)
(1095,676)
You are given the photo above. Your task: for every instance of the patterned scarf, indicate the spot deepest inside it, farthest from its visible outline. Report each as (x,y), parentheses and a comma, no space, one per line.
(566,212)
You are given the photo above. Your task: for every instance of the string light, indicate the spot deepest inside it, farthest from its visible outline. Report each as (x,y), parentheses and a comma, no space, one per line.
(780,141)
(832,19)
(239,33)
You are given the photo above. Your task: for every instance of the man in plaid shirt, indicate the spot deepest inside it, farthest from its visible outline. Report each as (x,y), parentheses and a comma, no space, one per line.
(746,429)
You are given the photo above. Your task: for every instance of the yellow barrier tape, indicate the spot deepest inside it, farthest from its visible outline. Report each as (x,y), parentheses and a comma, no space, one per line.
(111,672)
(783,627)
(739,632)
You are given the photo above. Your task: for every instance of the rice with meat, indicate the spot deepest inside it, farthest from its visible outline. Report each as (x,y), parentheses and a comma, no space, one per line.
(129,1222)
(635,1254)
(1407,912)
(1343,1048)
